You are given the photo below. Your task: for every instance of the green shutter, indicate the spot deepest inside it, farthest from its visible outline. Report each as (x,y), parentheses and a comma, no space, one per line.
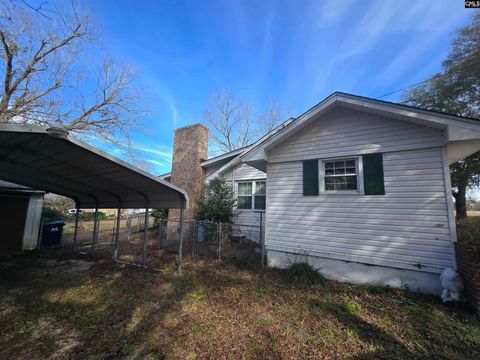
(310,177)
(373,174)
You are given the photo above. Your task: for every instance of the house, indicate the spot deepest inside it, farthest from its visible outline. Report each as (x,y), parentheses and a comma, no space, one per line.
(358,187)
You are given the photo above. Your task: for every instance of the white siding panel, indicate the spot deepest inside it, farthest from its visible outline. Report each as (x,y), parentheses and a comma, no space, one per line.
(243,172)
(409,225)
(246,172)
(344,132)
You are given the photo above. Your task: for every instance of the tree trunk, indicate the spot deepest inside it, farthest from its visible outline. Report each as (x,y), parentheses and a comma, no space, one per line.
(461,202)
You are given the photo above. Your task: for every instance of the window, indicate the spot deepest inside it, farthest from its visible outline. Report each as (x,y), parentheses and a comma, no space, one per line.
(340,175)
(244,200)
(260,195)
(251,195)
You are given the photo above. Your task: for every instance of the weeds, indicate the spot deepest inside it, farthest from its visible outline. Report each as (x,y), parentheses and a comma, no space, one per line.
(303,274)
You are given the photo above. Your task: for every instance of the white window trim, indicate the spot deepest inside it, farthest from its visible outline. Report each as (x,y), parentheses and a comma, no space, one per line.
(358,169)
(254,186)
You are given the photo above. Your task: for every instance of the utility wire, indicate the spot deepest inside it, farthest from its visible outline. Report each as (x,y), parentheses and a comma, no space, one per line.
(432,78)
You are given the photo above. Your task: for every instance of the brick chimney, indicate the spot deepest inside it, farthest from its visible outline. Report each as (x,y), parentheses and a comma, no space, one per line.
(190,147)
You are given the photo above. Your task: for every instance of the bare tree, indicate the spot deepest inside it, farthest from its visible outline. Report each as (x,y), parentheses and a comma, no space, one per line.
(232,124)
(273,115)
(46,75)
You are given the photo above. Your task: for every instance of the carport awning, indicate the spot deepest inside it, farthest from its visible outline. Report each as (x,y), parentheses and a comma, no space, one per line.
(56,162)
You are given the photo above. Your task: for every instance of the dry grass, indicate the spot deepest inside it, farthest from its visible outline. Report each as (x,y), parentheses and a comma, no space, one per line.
(82,310)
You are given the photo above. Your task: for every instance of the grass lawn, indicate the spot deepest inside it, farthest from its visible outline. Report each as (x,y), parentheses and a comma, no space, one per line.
(82,310)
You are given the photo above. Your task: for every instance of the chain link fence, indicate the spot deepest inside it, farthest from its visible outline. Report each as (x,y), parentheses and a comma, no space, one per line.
(162,246)
(239,244)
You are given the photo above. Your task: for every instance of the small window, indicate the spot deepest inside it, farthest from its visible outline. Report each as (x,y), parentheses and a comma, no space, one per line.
(340,175)
(251,195)
(260,195)
(244,200)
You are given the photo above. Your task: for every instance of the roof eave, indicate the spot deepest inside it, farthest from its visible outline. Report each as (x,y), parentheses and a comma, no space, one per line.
(457,128)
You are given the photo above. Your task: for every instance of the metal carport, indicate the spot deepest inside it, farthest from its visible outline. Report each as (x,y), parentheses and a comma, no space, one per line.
(50,159)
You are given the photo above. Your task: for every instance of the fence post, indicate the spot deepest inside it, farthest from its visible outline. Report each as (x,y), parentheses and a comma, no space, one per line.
(117,233)
(194,232)
(262,243)
(95,225)
(75,231)
(145,235)
(127,224)
(180,246)
(114,230)
(219,237)
(159,235)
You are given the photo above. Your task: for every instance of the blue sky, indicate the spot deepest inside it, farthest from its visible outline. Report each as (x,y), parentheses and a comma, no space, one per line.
(296,52)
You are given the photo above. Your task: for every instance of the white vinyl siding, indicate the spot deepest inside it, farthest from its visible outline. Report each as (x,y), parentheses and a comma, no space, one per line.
(343,133)
(407,228)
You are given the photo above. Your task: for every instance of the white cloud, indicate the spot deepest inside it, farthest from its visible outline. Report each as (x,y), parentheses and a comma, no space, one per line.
(164,154)
(384,18)
(408,57)
(332,11)
(155,162)
(163,92)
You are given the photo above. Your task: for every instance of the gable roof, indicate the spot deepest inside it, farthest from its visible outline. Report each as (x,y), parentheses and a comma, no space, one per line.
(459,128)
(215,159)
(237,159)
(462,128)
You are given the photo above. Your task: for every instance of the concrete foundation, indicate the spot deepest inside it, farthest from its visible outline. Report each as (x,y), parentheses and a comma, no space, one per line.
(358,273)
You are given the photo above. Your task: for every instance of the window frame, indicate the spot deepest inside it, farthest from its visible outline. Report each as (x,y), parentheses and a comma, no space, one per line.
(246,196)
(253,195)
(358,173)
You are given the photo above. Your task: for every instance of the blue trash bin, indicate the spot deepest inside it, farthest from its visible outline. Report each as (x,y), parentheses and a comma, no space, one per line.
(52,233)
(201,233)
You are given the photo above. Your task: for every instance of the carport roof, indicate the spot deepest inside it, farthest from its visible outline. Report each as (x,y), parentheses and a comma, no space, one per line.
(52,160)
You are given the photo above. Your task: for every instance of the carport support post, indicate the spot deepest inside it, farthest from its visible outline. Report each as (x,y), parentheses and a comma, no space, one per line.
(75,230)
(145,230)
(180,246)
(117,234)
(95,224)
